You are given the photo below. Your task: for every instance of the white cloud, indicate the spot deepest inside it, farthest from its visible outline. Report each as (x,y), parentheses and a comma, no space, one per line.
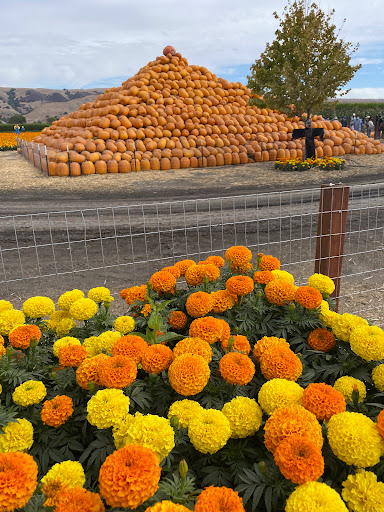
(366,93)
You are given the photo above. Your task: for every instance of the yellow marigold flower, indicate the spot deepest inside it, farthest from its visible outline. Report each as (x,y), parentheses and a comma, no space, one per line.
(151,431)
(55,412)
(238,255)
(193,346)
(78,499)
(129,476)
(107,408)
(219,499)
(323,400)
(131,346)
(209,431)
(322,283)
(240,285)
(163,282)
(167,506)
(222,300)
(189,374)
(199,304)
(240,344)
(299,459)
(183,265)
(177,320)
(244,416)
(308,297)
(5,305)
(324,306)
(38,307)
(9,319)
(346,385)
(156,358)
(279,292)
(88,371)
(63,342)
(83,309)
(355,440)
(263,276)
(327,316)
(106,341)
(55,318)
(284,275)
(130,295)
(267,342)
(367,341)
(236,368)
(19,480)
(321,339)
(362,492)
(268,262)
(22,335)
(184,410)
(91,345)
(208,329)
(290,420)
(124,324)
(175,271)
(279,393)
(72,355)
(29,393)
(100,294)
(378,377)
(64,326)
(69,472)
(280,363)
(16,436)
(343,325)
(313,496)
(68,298)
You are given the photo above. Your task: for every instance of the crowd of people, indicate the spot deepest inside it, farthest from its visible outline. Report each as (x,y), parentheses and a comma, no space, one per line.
(373,128)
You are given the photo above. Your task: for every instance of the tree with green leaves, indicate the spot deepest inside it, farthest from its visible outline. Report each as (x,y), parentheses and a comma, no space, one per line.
(305,65)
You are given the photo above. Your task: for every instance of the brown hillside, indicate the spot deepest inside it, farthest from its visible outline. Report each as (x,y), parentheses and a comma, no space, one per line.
(175,115)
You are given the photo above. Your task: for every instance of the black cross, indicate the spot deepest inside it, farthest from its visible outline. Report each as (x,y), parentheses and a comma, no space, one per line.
(309,133)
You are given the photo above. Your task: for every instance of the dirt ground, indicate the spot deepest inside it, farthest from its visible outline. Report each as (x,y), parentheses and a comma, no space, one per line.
(25,190)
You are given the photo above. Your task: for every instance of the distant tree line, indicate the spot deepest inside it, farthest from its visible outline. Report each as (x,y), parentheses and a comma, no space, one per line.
(331,110)
(29,127)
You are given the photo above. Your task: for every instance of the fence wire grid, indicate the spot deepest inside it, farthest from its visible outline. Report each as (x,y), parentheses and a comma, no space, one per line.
(49,253)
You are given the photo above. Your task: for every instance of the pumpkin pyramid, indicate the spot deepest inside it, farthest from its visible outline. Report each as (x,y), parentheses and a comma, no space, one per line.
(173,115)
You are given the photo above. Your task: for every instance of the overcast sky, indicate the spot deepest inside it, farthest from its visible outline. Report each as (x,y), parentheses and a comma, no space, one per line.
(99,43)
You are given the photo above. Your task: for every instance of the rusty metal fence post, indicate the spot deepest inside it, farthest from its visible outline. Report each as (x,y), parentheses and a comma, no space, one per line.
(333,211)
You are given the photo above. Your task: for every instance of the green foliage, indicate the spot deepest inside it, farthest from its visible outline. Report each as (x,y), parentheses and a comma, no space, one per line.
(306,63)
(29,127)
(17,119)
(330,110)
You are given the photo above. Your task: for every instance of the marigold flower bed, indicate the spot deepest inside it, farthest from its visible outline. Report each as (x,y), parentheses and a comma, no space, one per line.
(239,392)
(8,140)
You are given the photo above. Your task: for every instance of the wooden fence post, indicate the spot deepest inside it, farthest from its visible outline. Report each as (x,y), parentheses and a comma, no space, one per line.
(333,211)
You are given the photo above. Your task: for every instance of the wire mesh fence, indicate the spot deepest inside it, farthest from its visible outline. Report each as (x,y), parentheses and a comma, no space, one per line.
(117,247)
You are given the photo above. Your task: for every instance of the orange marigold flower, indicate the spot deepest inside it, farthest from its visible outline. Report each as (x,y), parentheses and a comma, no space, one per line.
(146,310)
(167,506)
(215,260)
(268,262)
(51,488)
(194,275)
(321,339)
(21,336)
(288,421)
(323,400)
(236,368)
(55,412)
(130,295)
(380,423)
(189,374)
(208,328)
(199,304)
(183,265)
(238,255)
(193,346)
(241,344)
(211,272)
(156,358)
(72,355)
(131,346)
(266,343)
(18,480)
(226,333)
(117,372)
(78,499)
(222,300)
(1,340)
(263,276)
(299,459)
(279,292)
(163,281)
(175,271)
(219,499)
(240,285)
(177,320)
(129,476)
(280,363)
(308,297)
(88,371)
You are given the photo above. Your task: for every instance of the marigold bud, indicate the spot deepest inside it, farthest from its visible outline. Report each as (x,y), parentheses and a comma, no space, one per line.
(183,468)
(174,421)
(263,467)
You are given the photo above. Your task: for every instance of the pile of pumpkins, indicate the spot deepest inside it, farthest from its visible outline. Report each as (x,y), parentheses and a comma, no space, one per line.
(173,115)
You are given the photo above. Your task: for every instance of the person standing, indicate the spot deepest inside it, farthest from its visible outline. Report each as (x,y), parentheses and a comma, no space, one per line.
(358,124)
(17,129)
(370,127)
(344,121)
(352,123)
